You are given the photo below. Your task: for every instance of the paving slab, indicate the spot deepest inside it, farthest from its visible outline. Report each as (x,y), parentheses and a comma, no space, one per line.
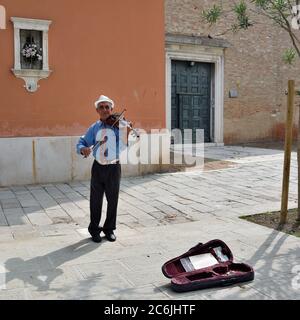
(47,253)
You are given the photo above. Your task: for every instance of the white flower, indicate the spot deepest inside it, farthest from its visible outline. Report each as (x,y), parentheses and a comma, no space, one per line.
(32,51)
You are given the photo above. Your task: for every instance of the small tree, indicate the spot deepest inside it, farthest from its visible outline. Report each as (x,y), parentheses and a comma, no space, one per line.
(285,14)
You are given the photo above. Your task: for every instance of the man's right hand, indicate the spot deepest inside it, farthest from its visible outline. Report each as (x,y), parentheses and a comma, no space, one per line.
(85,151)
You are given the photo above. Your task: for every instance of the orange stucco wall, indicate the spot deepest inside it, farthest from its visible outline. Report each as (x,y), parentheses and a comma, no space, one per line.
(111,47)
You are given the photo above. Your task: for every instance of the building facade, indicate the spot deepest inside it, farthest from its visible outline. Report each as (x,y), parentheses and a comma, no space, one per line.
(108,47)
(246,100)
(158,59)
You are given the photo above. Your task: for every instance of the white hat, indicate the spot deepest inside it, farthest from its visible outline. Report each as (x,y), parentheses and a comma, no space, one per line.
(103,98)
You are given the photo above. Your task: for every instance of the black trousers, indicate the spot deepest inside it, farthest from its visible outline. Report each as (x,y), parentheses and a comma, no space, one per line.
(105,179)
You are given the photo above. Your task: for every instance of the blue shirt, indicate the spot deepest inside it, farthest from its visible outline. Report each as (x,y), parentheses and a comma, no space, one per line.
(108,151)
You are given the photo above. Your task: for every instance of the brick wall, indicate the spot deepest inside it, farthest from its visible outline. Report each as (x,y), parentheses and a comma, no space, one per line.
(253,66)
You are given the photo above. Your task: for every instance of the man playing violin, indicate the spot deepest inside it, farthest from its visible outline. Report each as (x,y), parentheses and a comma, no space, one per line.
(106,169)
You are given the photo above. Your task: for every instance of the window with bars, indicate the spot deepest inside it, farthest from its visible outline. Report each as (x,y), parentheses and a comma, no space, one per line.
(31,49)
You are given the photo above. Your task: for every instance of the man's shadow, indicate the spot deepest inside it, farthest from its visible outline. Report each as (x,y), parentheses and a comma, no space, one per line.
(40,271)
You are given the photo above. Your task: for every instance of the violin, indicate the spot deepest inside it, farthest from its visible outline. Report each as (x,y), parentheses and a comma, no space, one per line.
(116,118)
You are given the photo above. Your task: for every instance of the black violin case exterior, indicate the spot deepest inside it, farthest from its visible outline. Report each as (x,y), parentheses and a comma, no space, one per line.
(189,272)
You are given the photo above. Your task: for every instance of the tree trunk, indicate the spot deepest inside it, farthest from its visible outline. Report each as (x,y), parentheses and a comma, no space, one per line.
(287,152)
(298,162)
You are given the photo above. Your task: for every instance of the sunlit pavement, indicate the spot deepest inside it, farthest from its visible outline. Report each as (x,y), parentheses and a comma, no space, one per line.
(46,251)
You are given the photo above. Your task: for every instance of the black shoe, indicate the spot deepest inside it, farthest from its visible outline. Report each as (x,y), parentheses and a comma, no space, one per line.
(110,236)
(96,238)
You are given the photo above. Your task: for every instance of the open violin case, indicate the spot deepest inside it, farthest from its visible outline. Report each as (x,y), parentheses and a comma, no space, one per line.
(205,266)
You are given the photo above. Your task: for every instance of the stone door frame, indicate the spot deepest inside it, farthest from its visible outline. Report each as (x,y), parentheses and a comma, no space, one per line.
(189,48)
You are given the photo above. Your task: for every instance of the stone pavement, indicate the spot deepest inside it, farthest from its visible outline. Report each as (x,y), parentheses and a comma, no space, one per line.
(46,252)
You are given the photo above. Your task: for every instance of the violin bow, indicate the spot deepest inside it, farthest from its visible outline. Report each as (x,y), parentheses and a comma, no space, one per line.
(100,143)
(128,125)
(119,117)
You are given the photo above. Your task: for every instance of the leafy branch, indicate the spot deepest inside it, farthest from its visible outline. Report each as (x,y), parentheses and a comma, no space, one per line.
(284,13)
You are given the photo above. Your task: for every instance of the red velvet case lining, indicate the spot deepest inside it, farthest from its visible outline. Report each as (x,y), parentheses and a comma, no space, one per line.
(222,272)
